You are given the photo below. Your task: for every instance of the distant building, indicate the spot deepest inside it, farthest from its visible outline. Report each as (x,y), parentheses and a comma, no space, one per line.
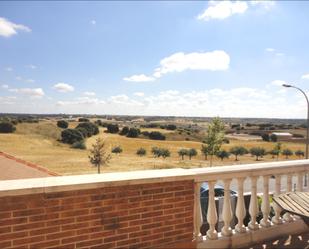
(282,136)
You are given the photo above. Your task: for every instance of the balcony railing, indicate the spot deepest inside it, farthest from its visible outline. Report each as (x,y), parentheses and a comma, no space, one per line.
(282,176)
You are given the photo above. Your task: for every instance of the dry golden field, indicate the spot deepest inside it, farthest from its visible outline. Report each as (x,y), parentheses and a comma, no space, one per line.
(38,143)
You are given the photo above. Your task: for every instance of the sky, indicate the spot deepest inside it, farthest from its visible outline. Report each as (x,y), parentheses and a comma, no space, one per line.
(216,58)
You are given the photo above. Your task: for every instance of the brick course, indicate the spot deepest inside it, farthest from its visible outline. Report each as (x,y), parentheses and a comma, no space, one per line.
(134,216)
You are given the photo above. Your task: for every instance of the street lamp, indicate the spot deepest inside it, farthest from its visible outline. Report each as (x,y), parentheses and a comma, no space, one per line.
(307,140)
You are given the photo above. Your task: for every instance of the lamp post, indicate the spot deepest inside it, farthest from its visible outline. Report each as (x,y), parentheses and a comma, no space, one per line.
(307,138)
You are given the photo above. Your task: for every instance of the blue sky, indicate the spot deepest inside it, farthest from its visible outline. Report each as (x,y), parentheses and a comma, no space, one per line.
(154,58)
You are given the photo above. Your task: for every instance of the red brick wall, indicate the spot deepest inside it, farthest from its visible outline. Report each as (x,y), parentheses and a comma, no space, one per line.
(136,216)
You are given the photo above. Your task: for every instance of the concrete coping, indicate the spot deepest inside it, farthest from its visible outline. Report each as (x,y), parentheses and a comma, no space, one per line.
(89,181)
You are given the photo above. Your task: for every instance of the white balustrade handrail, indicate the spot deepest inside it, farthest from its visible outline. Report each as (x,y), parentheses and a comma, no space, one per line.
(248,170)
(255,173)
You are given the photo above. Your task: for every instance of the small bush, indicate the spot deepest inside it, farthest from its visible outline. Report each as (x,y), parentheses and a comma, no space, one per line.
(112,128)
(91,128)
(70,136)
(265,137)
(83,131)
(299,153)
(287,153)
(160,152)
(124,131)
(133,132)
(79,145)
(155,135)
(62,124)
(171,127)
(273,137)
(117,150)
(7,127)
(83,120)
(145,133)
(141,152)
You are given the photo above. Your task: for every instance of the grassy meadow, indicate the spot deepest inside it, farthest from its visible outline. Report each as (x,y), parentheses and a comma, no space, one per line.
(39,143)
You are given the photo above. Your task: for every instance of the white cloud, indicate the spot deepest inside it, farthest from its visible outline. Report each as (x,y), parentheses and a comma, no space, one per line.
(63,87)
(8,28)
(139,78)
(9,69)
(18,78)
(266,4)
(278,82)
(31,66)
(305,77)
(93,22)
(30,80)
(270,50)
(217,60)
(89,93)
(32,92)
(139,94)
(274,51)
(280,54)
(4,86)
(81,101)
(222,9)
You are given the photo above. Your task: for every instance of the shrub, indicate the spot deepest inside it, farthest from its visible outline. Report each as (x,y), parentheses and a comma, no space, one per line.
(299,153)
(112,128)
(191,153)
(257,152)
(99,122)
(145,133)
(62,124)
(141,152)
(117,150)
(182,153)
(287,153)
(70,136)
(133,132)
(160,152)
(91,128)
(7,127)
(79,145)
(124,131)
(265,137)
(83,131)
(222,154)
(83,120)
(238,151)
(171,127)
(155,135)
(273,138)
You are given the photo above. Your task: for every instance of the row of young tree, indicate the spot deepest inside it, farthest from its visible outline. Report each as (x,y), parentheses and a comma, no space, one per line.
(237,151)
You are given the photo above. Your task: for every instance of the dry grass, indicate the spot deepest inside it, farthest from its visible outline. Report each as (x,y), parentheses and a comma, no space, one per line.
(38,143)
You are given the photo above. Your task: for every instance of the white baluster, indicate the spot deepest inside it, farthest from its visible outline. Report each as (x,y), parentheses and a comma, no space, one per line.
(198,218)
(227,210)
(287,217)
(300,183)
(240,208)
(277,219)
(212,212)
(253,208)
(265,203)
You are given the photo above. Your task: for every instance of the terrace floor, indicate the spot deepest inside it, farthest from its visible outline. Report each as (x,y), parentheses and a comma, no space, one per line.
(12,168)
(300,241)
